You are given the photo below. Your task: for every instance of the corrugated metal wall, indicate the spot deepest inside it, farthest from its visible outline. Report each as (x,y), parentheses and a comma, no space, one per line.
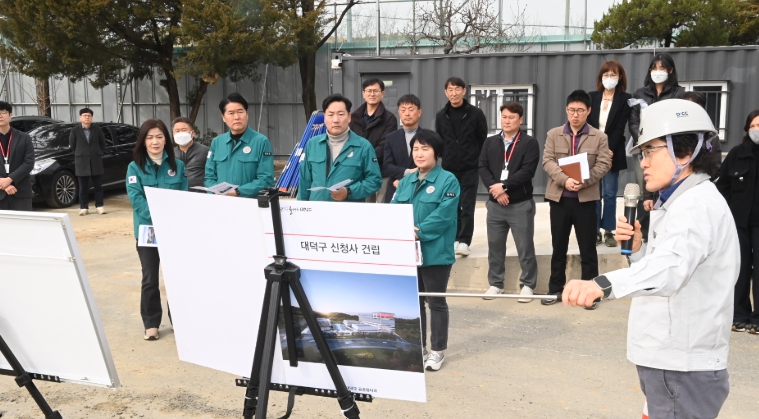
(555,75)
(281,115)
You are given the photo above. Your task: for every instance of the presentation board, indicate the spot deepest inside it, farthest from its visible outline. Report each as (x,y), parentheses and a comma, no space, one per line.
(48,315)
(358,268)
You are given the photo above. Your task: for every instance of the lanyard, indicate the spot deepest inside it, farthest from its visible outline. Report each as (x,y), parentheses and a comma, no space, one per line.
(513,147)
(573,152)
(7,153)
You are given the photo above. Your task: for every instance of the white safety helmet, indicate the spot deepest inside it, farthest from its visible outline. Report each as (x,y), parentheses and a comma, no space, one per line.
(672,116)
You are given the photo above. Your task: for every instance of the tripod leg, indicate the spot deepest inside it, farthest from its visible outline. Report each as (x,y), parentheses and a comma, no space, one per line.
(24,380)
(344,396)
(249,409)
(267,354)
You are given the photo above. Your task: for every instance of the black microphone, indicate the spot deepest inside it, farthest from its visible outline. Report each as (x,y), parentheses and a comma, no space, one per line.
(631,195)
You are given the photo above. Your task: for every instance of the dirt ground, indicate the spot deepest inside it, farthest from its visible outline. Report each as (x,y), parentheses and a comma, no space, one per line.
(505,360)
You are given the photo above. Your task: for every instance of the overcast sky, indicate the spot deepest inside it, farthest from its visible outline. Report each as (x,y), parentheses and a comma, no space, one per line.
(552,12)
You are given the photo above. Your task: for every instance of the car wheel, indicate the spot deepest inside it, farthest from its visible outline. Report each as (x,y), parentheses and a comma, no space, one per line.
(64,191)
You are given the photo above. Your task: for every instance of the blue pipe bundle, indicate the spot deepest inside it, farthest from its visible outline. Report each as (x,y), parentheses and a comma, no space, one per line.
(288,180)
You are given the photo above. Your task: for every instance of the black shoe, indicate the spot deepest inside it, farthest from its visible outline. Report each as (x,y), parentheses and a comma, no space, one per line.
(552,302)
(594,306)
(753,329)
(599,238)
(740,326)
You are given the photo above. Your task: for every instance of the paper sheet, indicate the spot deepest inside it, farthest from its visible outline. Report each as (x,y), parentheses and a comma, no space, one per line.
(581,158)
(218,189)
(333,188)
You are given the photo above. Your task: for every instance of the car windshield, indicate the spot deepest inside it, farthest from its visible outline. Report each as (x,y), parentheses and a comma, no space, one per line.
(51,137)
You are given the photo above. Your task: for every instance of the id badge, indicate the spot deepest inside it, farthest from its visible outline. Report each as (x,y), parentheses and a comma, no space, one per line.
(505,172)
(7,168)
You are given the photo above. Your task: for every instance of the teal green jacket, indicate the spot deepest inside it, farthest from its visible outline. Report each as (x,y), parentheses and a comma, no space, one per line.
(248,163)
(356,161)
(436,205)
(136,180)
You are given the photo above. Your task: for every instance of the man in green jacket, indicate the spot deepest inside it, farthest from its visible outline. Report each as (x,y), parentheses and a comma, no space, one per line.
(241,156)
(337,156)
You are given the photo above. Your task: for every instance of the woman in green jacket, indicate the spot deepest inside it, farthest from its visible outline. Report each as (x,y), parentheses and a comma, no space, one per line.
(154,165)
(434,194)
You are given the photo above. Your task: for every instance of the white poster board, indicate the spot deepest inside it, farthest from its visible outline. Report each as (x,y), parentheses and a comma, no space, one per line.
(48,315)
(213,252)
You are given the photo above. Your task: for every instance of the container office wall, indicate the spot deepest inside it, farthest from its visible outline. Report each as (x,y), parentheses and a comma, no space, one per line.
(542,81)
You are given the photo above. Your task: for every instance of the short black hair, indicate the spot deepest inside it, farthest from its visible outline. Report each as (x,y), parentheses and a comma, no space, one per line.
(705,162)
(410,99)
(337,97)
(579,96)
(746,140)
(5,106)
(513,107)
(233,98)
(669,64)
(695,98)
(371,82)
(455,81)
(183,120)
(430,138)
(86,110)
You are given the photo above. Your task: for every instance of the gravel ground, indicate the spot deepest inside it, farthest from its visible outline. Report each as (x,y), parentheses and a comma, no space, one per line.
(505,360)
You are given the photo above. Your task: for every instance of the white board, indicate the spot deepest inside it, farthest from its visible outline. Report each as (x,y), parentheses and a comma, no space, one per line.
(214,280)
(48,315)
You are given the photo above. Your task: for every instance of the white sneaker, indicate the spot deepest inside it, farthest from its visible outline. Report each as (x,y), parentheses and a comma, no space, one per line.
(492,290)
(425,354)
(83,211)
(462,249)
(434,361)
(455,247)
(525,291)
(101,210)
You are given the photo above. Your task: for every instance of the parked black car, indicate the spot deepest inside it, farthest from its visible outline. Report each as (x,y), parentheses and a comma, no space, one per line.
(53,179)
(28,123)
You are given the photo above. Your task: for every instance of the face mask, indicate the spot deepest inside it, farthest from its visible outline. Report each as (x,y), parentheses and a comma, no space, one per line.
(659,76)
(610,83)
(182,138)
(754,135)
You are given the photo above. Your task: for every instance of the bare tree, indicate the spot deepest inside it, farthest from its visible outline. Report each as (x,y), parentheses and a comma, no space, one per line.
(467,26)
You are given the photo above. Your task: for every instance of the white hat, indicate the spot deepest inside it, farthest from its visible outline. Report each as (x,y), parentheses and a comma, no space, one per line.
(672,116)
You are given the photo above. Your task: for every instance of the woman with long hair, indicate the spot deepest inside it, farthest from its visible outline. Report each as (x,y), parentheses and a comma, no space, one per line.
(609,112)
(739,184)
(154,165)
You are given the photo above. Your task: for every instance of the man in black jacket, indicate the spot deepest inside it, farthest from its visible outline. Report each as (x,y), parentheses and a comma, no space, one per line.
(87,141)
(17,154)
(192,153)
(373,122)
(398,162)
(507,165)
(463,128)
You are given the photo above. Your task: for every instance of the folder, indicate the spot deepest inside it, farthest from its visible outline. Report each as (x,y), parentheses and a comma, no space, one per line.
(576,166)
(573,170)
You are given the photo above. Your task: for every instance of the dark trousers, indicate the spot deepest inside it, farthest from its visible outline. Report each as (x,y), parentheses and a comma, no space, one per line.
(84,191)
(565,214)
(434,279)
(686,395)
(12,203)
(520,219)
(606,207)
(749,245)
(150,300)
(468,181)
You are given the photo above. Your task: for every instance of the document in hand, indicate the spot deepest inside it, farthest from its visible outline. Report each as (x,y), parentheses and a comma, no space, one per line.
(333,188)
(218,189)
(576,166)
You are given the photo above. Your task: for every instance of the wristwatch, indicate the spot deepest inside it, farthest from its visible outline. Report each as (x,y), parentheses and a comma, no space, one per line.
(349,191)
(603,282)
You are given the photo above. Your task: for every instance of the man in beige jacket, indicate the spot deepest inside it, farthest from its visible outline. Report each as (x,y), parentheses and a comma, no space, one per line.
(573,203)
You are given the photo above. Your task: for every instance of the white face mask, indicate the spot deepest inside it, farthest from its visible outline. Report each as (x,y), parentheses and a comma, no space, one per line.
(610,82)
(754,135)
(182,138)
(659,76)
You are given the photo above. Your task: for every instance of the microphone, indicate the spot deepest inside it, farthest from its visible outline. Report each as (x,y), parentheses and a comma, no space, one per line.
(631,195)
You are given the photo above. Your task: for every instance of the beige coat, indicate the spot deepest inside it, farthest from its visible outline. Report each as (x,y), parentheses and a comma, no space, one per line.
(558,145)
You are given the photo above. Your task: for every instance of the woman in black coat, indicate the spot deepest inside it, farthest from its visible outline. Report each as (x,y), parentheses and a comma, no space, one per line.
(609,113)
(739,184)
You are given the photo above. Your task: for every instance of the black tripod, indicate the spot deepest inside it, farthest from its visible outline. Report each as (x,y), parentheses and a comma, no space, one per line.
(281,277)
(25,379)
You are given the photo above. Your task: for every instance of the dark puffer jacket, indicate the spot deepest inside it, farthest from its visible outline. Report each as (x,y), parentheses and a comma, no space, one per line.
(384,123)
(462,152)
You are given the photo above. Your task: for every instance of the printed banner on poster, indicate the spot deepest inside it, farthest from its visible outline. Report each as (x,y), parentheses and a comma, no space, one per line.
(358,268)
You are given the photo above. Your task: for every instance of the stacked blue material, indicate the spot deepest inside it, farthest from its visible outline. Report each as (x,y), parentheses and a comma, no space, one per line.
(288,180)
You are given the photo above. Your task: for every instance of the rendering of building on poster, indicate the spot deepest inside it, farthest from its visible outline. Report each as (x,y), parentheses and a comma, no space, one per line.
(359,276)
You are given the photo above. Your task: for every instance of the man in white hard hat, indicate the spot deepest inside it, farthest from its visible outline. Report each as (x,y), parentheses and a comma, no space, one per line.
(681,281)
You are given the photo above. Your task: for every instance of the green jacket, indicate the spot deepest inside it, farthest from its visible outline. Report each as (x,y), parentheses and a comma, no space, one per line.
(136,180)
(436,204)
(248,163)
(356,161)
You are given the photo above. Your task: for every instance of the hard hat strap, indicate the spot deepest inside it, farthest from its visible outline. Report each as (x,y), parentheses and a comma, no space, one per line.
(679,168)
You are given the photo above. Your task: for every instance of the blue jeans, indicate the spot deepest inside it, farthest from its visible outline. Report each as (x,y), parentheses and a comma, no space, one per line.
(607,217)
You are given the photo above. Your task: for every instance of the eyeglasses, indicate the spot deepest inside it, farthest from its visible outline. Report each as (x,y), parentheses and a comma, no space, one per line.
(454,89)
(4,113)
(510,117)
(576,111)
(645,153)
(372,92)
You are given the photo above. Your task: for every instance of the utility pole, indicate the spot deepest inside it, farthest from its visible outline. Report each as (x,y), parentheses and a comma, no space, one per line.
(349,15)
(378,28)
(585,28)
